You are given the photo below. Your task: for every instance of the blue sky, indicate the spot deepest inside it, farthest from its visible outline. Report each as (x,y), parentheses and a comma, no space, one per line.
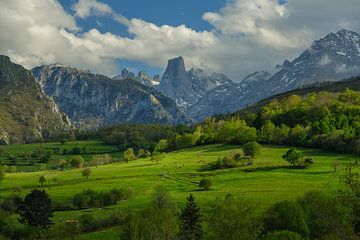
(160,12)
(235,37)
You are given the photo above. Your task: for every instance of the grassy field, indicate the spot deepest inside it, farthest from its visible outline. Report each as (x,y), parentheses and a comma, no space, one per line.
(267,181)
(29,165)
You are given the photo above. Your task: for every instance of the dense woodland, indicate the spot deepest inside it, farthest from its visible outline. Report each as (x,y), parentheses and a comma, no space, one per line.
(324,120)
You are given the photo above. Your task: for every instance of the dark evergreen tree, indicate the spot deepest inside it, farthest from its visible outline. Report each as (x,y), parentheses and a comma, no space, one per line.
(36,209)
(190,228)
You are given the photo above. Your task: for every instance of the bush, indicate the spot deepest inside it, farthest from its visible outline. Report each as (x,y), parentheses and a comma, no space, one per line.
(205,184)
(87,223)
(81,200)
(252,149)
(76,161)
(11,204)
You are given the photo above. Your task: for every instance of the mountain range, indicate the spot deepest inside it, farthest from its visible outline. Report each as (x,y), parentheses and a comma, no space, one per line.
(27,114)
(73,98)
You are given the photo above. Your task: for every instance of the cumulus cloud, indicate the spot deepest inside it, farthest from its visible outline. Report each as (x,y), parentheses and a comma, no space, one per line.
(246,35)
(85,8)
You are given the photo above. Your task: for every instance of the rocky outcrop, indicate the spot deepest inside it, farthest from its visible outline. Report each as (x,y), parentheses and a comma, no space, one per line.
(93,100)
(26,113)
(187,87)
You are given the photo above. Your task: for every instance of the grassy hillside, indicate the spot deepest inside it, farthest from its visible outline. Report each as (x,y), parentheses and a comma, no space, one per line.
(25,163)
(267,181)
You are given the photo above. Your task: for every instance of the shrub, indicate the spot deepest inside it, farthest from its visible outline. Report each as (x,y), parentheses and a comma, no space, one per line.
(129,155)
(76,161)
(252,149)
(11,204)
(205,184)
(87,223)
(81,200)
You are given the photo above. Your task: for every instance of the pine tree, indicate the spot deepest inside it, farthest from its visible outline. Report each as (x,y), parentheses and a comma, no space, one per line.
(190,228)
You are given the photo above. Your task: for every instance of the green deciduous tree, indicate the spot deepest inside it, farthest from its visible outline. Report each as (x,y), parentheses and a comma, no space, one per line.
(86,172)
(293,156)
(205,184)
(42,180)
(129,155)
(252,149)
(232,219)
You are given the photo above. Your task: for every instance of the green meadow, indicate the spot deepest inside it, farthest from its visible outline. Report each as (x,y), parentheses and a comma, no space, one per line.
(267,181)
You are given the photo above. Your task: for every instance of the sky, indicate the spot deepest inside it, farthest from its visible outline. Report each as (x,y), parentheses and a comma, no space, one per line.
(235,37)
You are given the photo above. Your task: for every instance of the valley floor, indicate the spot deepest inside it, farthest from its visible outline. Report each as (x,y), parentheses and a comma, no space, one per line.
(267,181)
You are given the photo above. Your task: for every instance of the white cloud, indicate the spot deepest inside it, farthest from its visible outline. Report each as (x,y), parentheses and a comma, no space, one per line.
(85,8)
(247,35)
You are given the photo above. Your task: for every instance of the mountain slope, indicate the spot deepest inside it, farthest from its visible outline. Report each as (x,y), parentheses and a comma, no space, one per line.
(334,57)
(92,100)
(26,113)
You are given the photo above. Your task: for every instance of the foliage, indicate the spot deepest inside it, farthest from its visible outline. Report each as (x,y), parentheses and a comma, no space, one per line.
(326,216)
(293,156)
(282,235)
(232,218)
(36,210)
(252,149)
(161,198)
(90,198)
(86,172)
(42,180)
(205,184)
(286,215)
(190,227)
(76,161)
(129,155)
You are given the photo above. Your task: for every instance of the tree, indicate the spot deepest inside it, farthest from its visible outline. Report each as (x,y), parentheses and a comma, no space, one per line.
(77,161)
(232,219)
(129,155)
(286,215)
(2,151)
(157,157)
(142,153)
(252,149)
(293,156)
(42,180)
(161,198)
(205,184)
(161,146)
(2,174)
(86,172)
(327,215)
(190,228)
(36,209)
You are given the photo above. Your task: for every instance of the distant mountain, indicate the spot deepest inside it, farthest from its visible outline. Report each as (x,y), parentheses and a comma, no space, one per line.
(142,77)
(26,113)
(222,99)
(187,87)
(334,57)
(93,100)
